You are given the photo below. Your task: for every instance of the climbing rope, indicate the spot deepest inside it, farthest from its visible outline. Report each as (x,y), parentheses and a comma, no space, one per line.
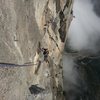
(6,65)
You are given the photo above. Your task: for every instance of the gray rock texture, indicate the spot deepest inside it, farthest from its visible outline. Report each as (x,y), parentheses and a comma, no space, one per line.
(24,25)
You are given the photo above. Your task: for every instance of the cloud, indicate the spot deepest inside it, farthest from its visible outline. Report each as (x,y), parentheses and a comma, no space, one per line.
(69,71)
(74,85)
(84,32)
(83,35)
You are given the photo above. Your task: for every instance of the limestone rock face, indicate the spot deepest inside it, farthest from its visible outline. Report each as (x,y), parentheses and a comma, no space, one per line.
(26,25)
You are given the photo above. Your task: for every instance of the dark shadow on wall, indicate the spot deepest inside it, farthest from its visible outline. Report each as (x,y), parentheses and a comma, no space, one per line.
(96,7)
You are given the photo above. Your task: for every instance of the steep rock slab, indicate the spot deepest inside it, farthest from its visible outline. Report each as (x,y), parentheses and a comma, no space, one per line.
(26,28)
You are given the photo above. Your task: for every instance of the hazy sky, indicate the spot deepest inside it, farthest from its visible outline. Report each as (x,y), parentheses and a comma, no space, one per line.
(84,32)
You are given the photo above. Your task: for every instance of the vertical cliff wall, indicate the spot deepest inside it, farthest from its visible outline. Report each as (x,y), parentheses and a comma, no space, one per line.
(26,26)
